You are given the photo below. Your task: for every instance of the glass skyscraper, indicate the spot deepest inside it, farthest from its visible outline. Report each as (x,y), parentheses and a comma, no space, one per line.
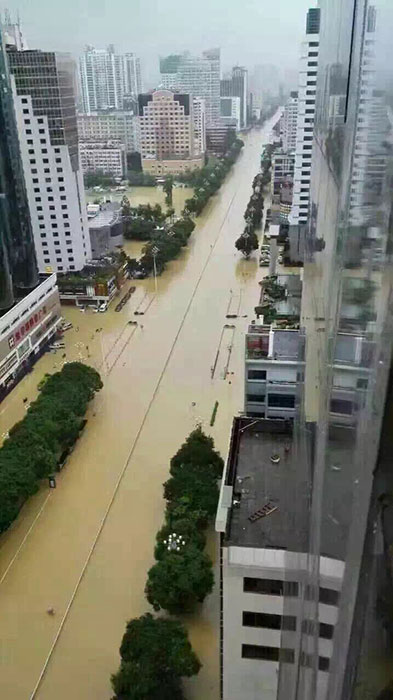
(345,397)
(18,270)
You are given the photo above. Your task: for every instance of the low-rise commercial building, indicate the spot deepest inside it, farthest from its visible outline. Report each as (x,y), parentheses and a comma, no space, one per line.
(105,229)
(26,331)
(98,283)
(107,157)
(262,516)
(219,138)
(110,126)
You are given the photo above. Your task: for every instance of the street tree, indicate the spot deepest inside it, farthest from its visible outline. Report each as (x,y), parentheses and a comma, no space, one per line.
(246,243)
(168,187)
(180,580)
(155,654)
(198,449)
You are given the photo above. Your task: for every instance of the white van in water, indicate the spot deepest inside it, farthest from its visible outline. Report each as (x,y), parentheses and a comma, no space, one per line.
(103,307)
(57,346)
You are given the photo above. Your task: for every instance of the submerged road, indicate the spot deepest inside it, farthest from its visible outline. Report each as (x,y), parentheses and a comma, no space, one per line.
(85,548)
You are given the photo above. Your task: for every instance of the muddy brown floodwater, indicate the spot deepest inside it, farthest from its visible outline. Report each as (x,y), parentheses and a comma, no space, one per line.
(84,548)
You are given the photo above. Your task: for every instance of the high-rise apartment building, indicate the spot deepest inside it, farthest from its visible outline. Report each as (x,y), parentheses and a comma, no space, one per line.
(305,506)
(29,303)
(195,75)
(17,256)
(237,86)
(305,118)
(199,118)
(106,78)
(167,131)
(44,100)
(230,111)
(132,75)
(289,123)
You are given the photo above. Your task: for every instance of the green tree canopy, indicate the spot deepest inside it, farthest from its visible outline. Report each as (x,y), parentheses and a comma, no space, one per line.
(155,655)
(246,243)
(198,450)
(180,580)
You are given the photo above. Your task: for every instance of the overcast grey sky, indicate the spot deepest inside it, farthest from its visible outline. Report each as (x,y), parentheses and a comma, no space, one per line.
(248,31)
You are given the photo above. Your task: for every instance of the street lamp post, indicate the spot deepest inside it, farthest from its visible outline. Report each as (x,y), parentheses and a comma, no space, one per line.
(155,250)
(175,542)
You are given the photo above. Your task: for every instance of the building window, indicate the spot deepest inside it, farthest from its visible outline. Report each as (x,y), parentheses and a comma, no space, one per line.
(281,400)
(32,161)
(72,267)
(341,406)
(257,374)
(323,663)
(46,260)
(27,121)
(268,586)
(326,631)
(269,621)
(256,651)
(328,596)
(59,260)
(28,131)
(256,398)
(41,131)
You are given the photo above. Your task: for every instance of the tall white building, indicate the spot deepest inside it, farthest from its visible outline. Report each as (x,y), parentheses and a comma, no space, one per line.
(167,132)
(44,99)
(289,123)
(106,77)
(199,117)
(132,75)
(230,111)
(305,119)
(195,75)
(110,126)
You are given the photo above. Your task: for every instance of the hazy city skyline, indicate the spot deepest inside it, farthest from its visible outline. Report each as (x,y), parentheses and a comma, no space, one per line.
(254,32)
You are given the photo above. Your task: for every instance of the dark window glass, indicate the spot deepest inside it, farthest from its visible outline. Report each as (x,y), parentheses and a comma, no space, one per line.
(256,651)
(323,663)
(341,406)
(257,374)
(328,596)
(256,398)
(282,400)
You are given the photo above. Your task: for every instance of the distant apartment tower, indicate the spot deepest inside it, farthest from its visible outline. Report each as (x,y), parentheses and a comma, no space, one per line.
(110,126)
(17,256)
(230,111)
(167,133)
(195,75)
(199,118)
(237,86)
(305,118)
(132,75)
(44,100)
(106,78)
(289,123)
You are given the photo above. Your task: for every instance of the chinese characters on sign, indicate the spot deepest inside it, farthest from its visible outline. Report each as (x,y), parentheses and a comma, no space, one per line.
(26,327)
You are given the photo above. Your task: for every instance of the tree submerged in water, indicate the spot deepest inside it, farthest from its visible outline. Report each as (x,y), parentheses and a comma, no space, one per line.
(155,655)
(246,243)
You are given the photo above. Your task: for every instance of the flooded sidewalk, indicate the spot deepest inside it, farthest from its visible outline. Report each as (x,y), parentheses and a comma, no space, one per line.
(85,548)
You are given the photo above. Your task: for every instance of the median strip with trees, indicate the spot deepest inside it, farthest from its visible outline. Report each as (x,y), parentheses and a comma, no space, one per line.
(155,652)
(36,444)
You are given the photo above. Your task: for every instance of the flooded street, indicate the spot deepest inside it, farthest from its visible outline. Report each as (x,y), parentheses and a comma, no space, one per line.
(85,547)
(145,195)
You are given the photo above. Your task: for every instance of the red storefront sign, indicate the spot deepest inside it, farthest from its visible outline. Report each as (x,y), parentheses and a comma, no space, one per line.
(25,328)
